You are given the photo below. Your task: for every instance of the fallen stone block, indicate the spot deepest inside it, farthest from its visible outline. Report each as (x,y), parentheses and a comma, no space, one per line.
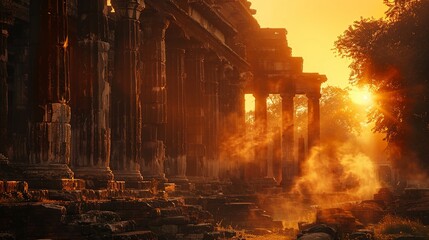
(315,236)
(136,235)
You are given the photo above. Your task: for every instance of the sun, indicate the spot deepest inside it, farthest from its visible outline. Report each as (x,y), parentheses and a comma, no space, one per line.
(361,96)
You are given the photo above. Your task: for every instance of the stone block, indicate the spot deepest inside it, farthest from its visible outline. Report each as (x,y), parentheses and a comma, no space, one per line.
(175,220)
(170,230)
(73,184)
(169,187)
(141,235)
(116,185)
(198,228)
(15,186)
(194,236)
(10,186)
(59,184)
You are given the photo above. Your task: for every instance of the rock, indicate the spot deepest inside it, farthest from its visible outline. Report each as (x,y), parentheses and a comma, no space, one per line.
(315,236)
(136,235)
(6,236)
(198,228)
(368,212)
(259,231)
(361,235)
(319,228)
(339,218)
(96,216)
(411,238)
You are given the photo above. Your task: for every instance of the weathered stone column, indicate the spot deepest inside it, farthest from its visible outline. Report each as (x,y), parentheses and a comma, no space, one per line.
(90,97)
(287,139)
(153,93)
(212,64)
(175,141)
(49,130)
(125,102)
(194,63)
(6,19)
(261,152)
(313,120)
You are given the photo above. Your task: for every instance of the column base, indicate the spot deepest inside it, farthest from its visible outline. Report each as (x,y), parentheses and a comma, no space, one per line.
(178,179)
(48,172)
(157,177)
(133,179)
(95,177)
(57,184)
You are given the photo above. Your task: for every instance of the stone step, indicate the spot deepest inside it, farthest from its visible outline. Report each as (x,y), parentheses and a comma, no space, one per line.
(136,235)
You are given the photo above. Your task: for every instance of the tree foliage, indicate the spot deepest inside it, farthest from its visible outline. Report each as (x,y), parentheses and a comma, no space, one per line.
(340,118)
(392,56)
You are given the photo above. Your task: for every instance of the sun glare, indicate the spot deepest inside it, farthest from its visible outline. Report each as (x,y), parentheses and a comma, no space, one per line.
(361,96)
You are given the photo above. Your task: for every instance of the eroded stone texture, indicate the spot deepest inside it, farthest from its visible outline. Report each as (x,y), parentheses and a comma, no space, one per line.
(125,103)
(90,96)
(49,129)
(313,119)
(231,119)
(153,93)
(6,19)
(212,75)
(194,63)
(287,164)
(175,168)
(261,150)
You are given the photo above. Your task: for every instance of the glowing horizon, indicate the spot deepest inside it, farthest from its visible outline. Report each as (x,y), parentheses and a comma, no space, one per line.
(313,27)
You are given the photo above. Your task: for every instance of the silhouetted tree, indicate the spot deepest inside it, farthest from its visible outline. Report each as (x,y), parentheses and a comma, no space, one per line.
(392,56)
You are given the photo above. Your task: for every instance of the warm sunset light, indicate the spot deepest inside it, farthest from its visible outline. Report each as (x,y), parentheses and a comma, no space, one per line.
(361,96)
(313,27)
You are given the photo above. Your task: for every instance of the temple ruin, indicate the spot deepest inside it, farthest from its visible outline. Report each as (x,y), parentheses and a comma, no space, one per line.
(95,92)
(124,119)
(110,101)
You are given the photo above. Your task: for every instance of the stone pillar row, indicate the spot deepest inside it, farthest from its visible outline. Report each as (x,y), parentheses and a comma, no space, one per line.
(287,139)
(6,20)
(126,105)
(49,128)
(90,97)
(153,93)
(261,134)
(120,127)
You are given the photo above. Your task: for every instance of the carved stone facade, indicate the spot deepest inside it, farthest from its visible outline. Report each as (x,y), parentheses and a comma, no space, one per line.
(136,90)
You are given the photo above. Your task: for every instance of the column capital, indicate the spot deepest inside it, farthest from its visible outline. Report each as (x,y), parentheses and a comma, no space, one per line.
(260,95)
(130,9)
(287,95)
(313,95)
(154,20)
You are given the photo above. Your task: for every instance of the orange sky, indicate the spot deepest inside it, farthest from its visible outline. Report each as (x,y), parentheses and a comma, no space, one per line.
(313,26)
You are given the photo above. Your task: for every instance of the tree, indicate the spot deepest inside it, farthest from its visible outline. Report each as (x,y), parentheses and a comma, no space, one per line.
(392,55)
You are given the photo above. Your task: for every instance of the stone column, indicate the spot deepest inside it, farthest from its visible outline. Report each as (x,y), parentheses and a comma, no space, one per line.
(6,19)
(261,151)
(90,97)
(313,120)
(175,140)
(49,129)
(287,139)
(125,102)
(212,64)
(153,94)
(231,121)
(194,63)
